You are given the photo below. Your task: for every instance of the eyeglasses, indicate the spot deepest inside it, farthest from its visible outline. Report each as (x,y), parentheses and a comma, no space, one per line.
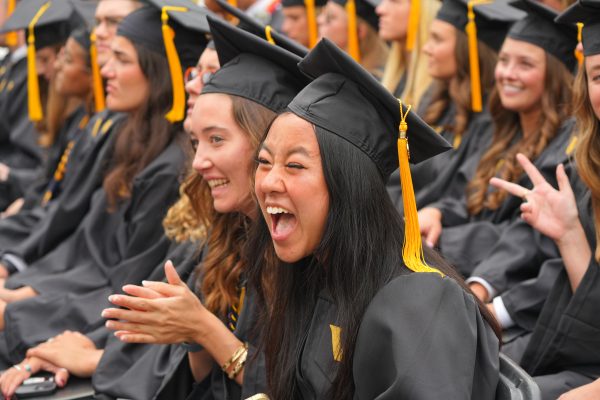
(193,72)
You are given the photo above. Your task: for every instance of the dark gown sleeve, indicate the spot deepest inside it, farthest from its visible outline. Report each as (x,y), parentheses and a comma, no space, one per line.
(422,337)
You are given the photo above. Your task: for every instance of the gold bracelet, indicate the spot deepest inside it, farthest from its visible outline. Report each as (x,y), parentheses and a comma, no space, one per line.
(234,357)
(238,367)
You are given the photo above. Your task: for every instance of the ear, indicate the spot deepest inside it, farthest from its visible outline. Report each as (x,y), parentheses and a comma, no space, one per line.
(362,29)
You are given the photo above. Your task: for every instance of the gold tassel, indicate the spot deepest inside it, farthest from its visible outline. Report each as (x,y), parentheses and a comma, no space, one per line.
(353,47)
(578,52)
(413,24)
(311,18)
(268,36)
(11,37)
(471,29)
(177,112)
(412,250)
(33,85)
(96,78)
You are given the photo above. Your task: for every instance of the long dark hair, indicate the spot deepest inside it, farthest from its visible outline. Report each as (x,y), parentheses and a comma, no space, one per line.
(352,267)
(146,133)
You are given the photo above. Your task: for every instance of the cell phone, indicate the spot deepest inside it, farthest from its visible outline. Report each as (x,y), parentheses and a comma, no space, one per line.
(37,386)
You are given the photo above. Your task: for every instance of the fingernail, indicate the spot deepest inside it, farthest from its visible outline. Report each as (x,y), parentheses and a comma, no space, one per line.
(145,283)
(104,312)
(109,324)
(112,298)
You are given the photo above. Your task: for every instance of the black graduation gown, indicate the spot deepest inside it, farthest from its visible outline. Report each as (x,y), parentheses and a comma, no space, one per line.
(422,337)
(141,371)
(84,174)
(136,371)
(466,240)
(567,334)
(15,229)
(106,239)
(435,178)
(19,149)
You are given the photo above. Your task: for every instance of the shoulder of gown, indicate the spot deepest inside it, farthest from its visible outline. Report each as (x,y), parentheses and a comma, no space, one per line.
(422,337)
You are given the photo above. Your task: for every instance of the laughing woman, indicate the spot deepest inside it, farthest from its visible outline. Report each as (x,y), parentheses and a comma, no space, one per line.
(349,318)
(531,109)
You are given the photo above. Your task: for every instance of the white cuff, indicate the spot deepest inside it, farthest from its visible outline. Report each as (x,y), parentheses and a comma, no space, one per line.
(501,313)
(16,261)
(490,289)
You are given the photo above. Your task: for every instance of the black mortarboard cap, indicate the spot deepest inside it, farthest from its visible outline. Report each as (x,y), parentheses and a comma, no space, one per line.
(55,21)
(347,101)
(46,23)
(175,29)
(493,20)
(539,28)
(250,24)
(365,10)
(588,13)
(188,21)
(86,9)
(270,74)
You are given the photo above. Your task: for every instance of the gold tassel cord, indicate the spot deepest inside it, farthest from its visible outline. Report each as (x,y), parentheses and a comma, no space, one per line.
(578,52)
(11,37)
(413,24)
(33,86)
(471,30)
(353,46)
(177,112)
(311,17)
(412,249)
(268,35)
(99,101)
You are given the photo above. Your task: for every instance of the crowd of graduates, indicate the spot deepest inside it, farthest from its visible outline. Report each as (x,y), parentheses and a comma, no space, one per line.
(300,199)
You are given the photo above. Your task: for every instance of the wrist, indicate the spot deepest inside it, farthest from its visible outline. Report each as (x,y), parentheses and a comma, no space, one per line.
(92,362)
(205,325)
(574,234)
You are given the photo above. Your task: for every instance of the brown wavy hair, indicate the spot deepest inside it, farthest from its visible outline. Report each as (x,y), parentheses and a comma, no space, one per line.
(587,153)
(219,273)
(555,109)
(457,90)
(146,133)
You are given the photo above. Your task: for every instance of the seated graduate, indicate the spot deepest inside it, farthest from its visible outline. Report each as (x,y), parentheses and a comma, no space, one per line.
(216,311)
(352,25)
(300,20)
(455,102)
(531,109)
(67,118)
(85,167)
(79,354)
(354,313)
(406,26)
(122,228)
(26,88)
(563,350)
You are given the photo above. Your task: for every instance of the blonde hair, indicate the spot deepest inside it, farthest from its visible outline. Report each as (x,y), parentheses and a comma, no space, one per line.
(587,153)
(182,222)
(418,79)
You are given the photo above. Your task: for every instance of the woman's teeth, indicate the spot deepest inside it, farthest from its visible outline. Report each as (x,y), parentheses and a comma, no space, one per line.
(277,210)
(213,183)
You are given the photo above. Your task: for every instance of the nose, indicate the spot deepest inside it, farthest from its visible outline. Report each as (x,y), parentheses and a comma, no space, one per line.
(194,87)
(427,48)
(108,70)
(101,29)
(270,181)
(202,161)
(507,70)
